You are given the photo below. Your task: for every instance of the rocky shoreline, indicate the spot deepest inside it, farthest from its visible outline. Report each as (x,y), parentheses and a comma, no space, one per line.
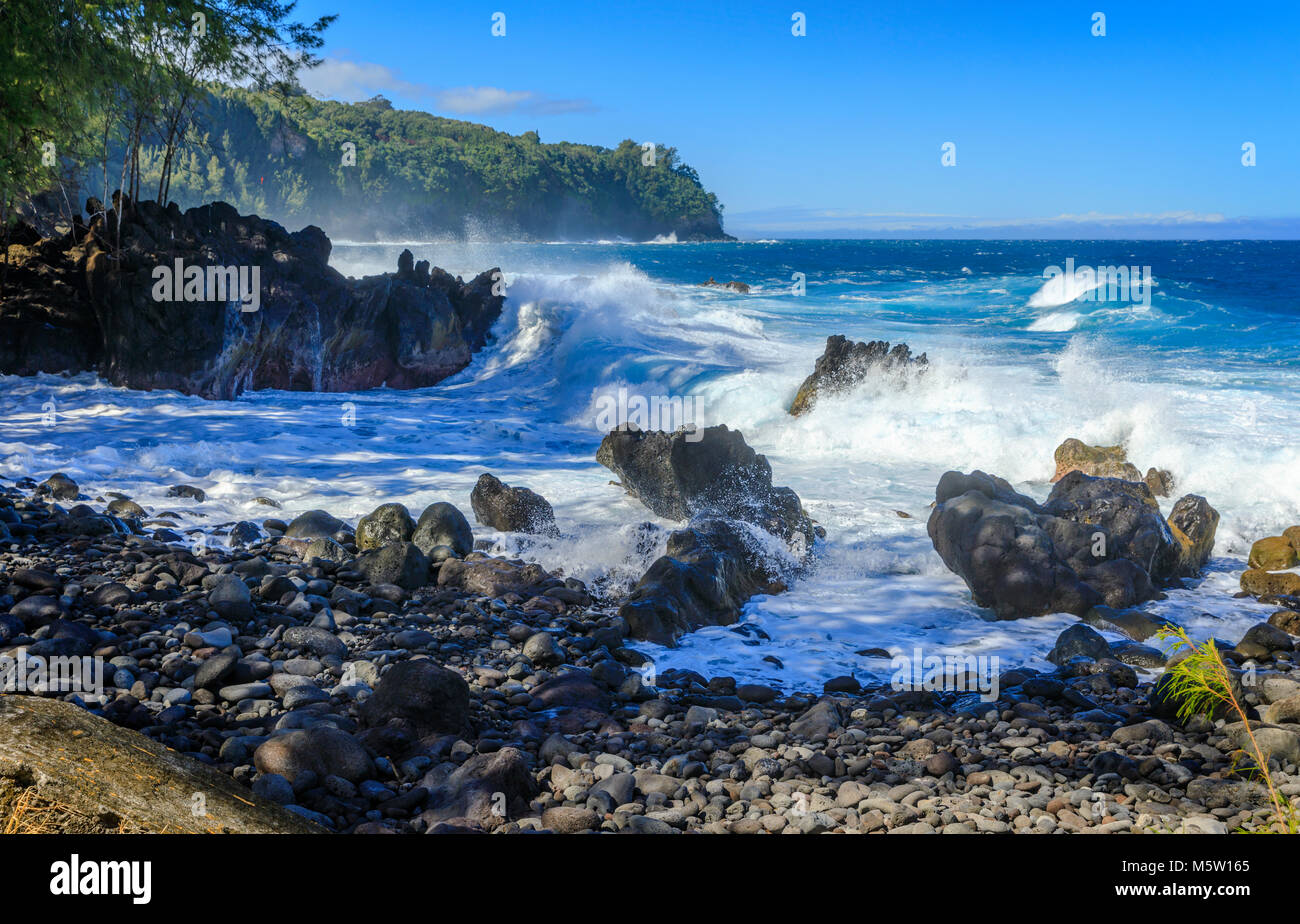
(392,678)
(212,303)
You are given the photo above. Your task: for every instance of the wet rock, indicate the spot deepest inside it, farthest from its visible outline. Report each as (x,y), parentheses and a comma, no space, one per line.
(1286,620)
(1095,541)
(1193,523)
(58,487)
(1098,461)
(705,473)
(124,509)
(314,524)
(188,491)
(1136,624)
(313,328)
(1275,553)
(995,540)
(1160,481)
(443,524)
(1257,583)
(703,579)
(1078,640)
(844,364)
(511,510)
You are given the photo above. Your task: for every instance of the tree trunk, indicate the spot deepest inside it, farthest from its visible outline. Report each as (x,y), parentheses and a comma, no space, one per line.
(64,769)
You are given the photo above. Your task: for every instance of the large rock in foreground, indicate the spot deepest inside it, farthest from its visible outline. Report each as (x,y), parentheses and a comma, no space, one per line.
(844,364)
(712,478)
(1095,541)
(703,578)
(61,765)
(307,329)
(710,472)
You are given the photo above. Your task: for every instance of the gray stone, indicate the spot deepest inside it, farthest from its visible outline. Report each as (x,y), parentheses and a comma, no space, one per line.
(229,596)
(314,524)
(442,524)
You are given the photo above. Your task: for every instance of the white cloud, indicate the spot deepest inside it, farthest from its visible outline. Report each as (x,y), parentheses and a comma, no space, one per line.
(353,81)
(481,99)
(797,221)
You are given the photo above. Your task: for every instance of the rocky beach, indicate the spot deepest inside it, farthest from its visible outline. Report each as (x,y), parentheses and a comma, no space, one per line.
(394,675)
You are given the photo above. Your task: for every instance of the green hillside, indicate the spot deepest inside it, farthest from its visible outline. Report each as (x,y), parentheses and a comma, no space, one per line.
(416,174)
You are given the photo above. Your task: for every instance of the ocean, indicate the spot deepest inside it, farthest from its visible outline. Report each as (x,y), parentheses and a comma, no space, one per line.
(1199,373)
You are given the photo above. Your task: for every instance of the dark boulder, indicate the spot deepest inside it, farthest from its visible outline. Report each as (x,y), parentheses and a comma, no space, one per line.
(1096,541)
(711,472)
(1003,553)
(314,524)
(443,524)
(399,563)
(308,328)
(420,695)
(704,578)
(321,749)
(1127,514)
(1193,523)
(58,487)
(485,792)
(1078,641)
(386,523)
(511,510)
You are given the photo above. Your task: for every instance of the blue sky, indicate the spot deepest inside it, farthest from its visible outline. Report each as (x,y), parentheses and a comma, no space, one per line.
(1058,132)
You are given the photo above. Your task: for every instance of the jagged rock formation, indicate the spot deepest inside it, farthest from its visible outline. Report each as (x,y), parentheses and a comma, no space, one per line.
(844,364)
(158,313)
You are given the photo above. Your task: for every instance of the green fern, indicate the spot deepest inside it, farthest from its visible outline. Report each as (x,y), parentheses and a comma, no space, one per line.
(1200,684)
